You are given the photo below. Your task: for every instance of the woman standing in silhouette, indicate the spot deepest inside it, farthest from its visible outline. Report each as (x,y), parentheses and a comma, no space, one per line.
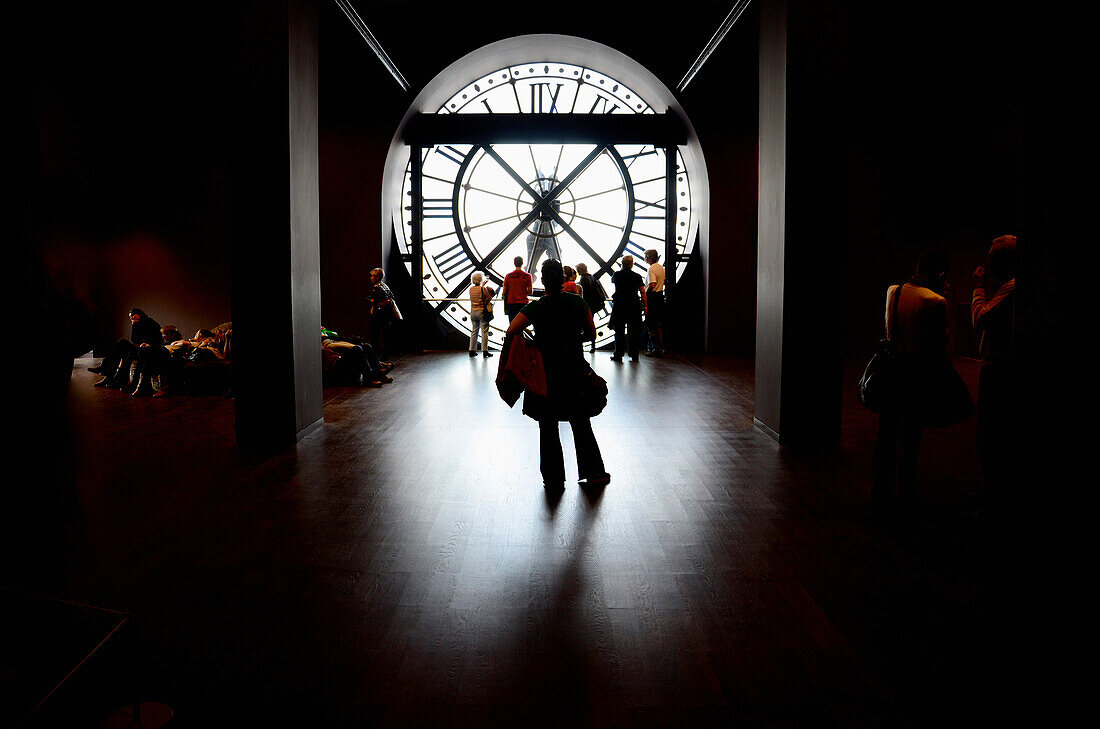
(562,321)
(927,391)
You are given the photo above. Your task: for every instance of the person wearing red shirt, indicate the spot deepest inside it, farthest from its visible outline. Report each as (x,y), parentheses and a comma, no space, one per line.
(518,285)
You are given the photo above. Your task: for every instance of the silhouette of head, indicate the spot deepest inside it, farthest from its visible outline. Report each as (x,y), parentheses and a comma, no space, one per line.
(933,265)
(552,275)
(518,261)
(1001,262)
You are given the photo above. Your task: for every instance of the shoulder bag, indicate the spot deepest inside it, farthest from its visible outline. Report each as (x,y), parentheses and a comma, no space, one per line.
(878,386)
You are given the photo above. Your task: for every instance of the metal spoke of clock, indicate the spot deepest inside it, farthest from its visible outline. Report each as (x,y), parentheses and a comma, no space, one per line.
(561,150)
(651,179)
(543,202)
(490,192)
(535,164)
(634,157)
(468,228)
(573,234)
(647,235)
(597,194)
(437,237)
(600,222)
(645,205)
(438,179)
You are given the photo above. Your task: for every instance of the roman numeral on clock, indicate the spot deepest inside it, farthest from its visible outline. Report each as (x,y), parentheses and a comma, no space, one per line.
(442,207)
(453,262)
(601,103)
(451,153)
(539,93)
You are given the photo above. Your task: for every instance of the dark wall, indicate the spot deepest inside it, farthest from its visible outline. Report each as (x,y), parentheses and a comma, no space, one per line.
(131,106)
(936,147)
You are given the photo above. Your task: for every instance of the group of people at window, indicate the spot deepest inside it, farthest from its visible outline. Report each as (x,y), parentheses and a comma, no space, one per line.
(636,302)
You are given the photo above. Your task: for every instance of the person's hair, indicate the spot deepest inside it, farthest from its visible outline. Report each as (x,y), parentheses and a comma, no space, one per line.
(651,256)
(518,261)
(379,271)
(206,334)
(582,268)
(628,261)
(139,312)
(1001,261)
(170,334)
(552,276)
(476,277)
(568,273)
(932,262)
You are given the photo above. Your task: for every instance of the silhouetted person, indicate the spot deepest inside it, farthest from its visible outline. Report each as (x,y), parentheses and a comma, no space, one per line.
(479,321)
(627,309)
(655,303)
(562,321)
(593,293)
(517,287)
(383,312)
(115,368)
(918,334)
(991,310)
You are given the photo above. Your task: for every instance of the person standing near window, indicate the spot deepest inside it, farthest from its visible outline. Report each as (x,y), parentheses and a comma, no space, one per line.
(383,312)
(479,298)
(655,308)
(627,310)
(518,286)
(594,295)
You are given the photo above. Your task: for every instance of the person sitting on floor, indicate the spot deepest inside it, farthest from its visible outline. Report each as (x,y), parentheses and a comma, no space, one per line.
(349,361)
(115,368)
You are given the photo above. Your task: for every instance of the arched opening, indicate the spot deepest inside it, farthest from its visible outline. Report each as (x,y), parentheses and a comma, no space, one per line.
(541,145)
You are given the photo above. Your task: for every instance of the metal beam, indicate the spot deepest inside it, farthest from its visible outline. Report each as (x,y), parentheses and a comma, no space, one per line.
(657,129)
(375,46)
(731,18)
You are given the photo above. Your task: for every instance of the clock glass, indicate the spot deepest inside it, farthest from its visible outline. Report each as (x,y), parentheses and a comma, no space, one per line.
(483,205)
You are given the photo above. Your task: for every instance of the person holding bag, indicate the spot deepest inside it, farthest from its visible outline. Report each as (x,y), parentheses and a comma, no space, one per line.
(573,392)
(925,390)
(481,312)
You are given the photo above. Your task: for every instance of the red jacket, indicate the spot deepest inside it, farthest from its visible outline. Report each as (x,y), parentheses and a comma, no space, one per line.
(520,369)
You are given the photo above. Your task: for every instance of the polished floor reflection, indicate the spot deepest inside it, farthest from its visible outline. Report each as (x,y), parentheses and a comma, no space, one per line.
(403,566)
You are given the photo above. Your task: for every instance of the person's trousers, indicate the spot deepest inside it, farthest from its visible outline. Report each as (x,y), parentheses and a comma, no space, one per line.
(589,460)
(116,364)
(512,309)
(895,460)
(655,313)
(628,335)
(477,322)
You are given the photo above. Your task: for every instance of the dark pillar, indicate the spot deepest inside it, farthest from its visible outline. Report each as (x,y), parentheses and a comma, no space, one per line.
(276,258)
(803,172)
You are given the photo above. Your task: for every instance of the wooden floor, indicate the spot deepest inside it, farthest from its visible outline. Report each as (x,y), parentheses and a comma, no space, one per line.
(403,566)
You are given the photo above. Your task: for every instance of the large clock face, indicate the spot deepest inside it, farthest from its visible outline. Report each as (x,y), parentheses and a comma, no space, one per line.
(486,204)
